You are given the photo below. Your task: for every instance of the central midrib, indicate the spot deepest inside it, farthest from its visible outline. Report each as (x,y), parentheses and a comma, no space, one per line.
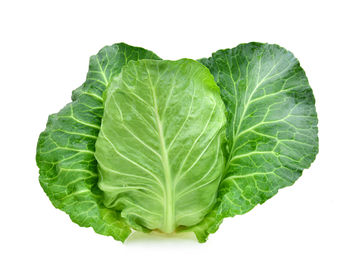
(169,204)
(169,209)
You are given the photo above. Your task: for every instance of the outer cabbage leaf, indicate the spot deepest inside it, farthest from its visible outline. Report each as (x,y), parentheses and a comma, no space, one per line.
(65,150)
(271,128)
(159,150)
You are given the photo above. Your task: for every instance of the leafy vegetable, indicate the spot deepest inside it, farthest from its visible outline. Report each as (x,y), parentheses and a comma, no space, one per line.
(163,160)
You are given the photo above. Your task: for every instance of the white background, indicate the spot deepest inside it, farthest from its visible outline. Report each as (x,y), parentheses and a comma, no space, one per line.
(45,49)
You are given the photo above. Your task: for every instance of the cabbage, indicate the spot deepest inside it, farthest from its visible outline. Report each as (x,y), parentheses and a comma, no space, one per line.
(170,146)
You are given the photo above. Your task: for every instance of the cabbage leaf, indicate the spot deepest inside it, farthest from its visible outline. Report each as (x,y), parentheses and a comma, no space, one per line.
(271,128)
(159,150)
(65,150)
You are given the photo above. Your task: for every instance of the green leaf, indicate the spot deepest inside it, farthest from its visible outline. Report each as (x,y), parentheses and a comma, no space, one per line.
(65,150)
(159,150)
(271,128)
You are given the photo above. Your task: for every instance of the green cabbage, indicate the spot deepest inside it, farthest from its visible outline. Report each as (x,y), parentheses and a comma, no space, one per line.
(150,144)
